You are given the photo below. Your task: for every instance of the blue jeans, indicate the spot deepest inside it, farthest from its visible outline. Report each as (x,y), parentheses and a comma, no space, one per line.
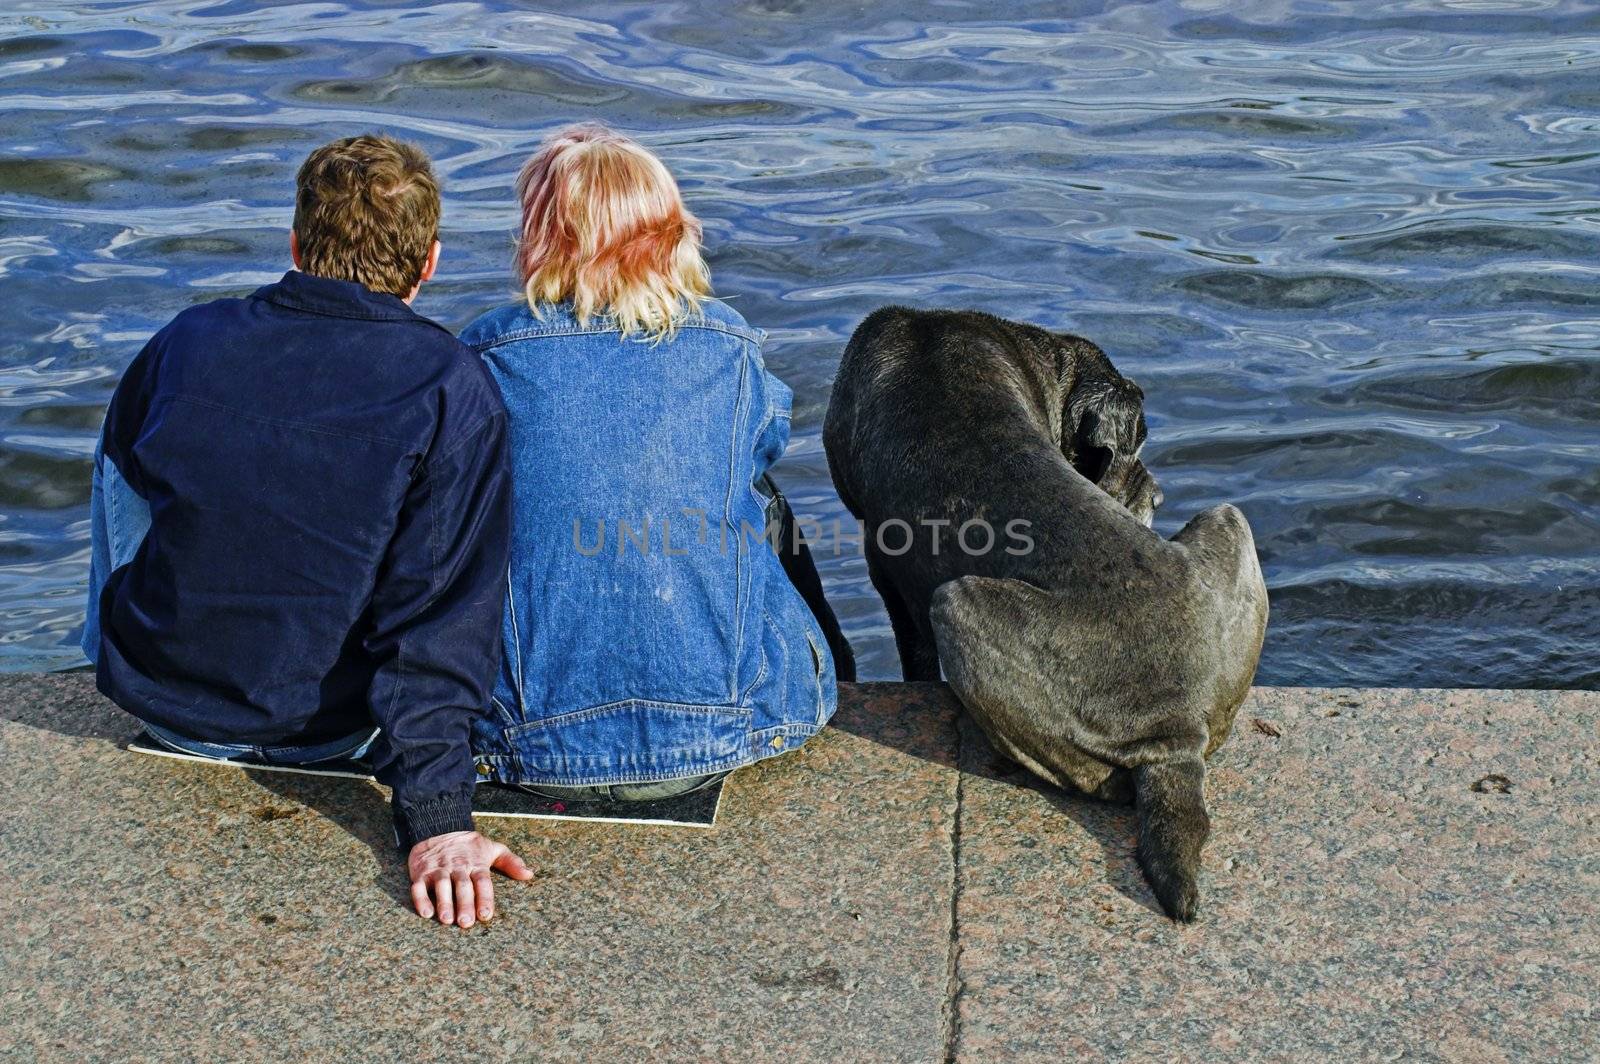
(349,748)
(620,793)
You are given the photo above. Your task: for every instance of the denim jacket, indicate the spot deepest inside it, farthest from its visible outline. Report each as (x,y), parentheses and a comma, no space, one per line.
(650,633)
(298,530)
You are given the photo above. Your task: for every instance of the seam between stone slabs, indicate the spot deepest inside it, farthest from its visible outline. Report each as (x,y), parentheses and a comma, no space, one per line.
(953,985)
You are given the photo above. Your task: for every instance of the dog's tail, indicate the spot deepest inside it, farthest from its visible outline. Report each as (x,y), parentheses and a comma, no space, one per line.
(1173,826)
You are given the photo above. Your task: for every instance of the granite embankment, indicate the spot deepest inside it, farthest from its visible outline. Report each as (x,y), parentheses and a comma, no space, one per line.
(1392,875)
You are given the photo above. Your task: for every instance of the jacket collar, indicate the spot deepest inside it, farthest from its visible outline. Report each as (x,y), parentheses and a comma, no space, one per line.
(338,299)
(518,321)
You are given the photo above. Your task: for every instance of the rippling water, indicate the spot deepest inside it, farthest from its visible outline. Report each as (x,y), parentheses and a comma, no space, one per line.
(1350,250)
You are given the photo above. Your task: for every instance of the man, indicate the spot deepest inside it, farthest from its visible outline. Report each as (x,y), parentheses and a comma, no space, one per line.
(300,522)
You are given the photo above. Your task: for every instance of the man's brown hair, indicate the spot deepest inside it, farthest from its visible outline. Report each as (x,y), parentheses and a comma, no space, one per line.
(367,209)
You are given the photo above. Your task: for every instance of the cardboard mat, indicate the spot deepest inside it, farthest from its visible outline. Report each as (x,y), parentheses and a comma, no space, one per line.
(696,810)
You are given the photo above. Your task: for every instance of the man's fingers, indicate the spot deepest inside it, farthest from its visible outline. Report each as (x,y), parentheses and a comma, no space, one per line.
(419,898)
(450,882)
(512,865)
(445,897)
(483,887)
(466,900)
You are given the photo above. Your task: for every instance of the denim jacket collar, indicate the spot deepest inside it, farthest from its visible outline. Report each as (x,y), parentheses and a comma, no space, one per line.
(521,322)
(337,299)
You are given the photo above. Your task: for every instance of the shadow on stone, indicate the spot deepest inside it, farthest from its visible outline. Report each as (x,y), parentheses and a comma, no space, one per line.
(65,703)
(913,718)
(948,737)
(356,808)
(1113,827)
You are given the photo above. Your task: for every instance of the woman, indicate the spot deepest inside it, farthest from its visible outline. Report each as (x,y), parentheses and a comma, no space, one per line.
(652,640)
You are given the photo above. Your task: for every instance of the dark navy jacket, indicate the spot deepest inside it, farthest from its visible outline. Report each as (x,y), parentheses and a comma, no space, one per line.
(328,494)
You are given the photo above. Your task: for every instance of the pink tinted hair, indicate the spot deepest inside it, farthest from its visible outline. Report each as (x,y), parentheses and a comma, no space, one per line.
(603,225)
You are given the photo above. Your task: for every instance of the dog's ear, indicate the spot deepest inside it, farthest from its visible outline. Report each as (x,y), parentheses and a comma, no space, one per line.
(1103,423)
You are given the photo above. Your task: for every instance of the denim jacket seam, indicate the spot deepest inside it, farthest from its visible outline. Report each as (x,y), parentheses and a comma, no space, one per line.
(761,427)
(567,779)
(772,414)
(516,641)
(113,501)
(278,421)
(739,596)
(777,633)
(562,330)
(761,674)
(787,728)
(761,501)
(755,747)
(816,671)
(292,748)
(578,716)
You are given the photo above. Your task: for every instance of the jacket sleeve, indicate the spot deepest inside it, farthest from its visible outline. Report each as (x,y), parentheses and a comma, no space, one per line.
(435,634)
(771,409)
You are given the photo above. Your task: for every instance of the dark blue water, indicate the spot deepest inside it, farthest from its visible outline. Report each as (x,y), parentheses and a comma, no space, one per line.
(1350,249)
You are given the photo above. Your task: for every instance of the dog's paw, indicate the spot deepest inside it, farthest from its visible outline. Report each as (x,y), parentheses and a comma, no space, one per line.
(1140,494)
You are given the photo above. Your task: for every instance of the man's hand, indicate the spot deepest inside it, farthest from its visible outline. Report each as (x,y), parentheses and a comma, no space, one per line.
(450,876)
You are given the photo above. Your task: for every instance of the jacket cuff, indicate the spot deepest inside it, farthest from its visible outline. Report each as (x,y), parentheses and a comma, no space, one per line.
(425,818)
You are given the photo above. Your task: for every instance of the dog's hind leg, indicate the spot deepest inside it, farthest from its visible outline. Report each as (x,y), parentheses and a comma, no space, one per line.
(1220,542)
(919,655)
(1003,654)
(1055,689)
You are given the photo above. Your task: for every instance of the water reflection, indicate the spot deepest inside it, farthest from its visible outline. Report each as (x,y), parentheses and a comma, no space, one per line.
(1352,258)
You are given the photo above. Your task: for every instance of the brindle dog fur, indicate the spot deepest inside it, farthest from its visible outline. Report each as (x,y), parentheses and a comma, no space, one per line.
(1089,649)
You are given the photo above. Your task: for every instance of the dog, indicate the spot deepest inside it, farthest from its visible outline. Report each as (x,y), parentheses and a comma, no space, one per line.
(794,553)
(1089,649)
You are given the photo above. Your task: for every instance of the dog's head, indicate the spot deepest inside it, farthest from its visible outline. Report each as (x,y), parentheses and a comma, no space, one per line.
(1102,432)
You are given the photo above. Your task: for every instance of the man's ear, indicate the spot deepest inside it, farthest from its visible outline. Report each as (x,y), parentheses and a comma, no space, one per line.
(430,267)
(1104,423)
(294,248)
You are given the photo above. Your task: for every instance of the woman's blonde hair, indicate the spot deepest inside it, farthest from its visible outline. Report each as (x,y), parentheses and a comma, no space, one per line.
(603,225)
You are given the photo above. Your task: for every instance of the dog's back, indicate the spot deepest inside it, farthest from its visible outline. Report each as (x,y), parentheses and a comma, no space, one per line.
(913,383)
(1102,656)
(944,420)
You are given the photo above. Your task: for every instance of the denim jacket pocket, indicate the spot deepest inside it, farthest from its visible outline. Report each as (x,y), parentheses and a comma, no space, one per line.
(637,740)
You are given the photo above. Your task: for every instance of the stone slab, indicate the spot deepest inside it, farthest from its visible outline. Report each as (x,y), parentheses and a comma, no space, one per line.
(1361,900)
(859,900)
(155,910)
